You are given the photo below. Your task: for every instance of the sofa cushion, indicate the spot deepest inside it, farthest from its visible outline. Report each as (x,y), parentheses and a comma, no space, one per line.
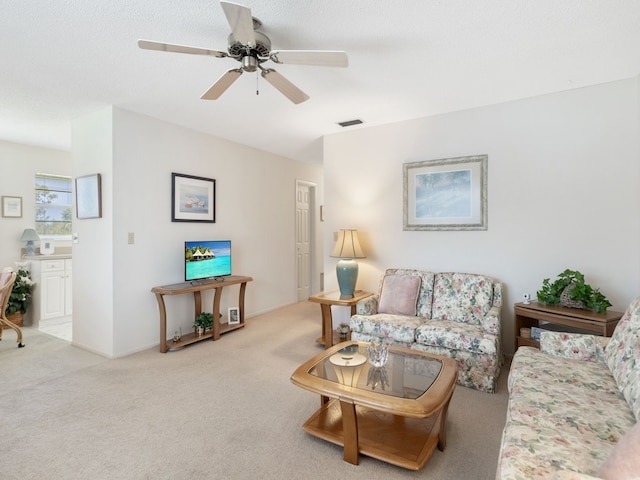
(623,356)
(573,346)
(462,297)
(399,294)
(615,350)
(457,336)
(399,328)
(623,462)
(425,297)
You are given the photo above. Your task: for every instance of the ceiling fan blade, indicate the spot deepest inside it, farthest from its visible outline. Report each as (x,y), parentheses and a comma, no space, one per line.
(311,57)
(221,84)
(240,21)
(169,47)
(285,87)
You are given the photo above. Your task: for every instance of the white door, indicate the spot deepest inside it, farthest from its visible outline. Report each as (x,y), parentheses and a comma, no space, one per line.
(303,239)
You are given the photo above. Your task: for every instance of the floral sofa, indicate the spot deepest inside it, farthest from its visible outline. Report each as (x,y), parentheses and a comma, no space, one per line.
(451,314)
(574,406)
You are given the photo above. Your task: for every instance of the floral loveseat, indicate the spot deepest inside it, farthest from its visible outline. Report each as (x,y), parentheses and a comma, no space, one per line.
(574,406)
(451,314)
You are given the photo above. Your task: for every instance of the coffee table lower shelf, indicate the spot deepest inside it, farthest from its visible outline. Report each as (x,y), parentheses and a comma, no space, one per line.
(403,441)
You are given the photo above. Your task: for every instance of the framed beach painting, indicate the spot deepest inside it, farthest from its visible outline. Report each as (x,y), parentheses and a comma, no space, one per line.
(445,194)
(192,198)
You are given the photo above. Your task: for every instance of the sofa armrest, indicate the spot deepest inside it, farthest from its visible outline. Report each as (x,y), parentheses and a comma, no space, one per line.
(367,306)
(491,321)
(575,346)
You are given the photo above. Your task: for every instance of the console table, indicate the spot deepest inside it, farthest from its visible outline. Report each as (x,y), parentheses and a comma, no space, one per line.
(197,287)
(530,315)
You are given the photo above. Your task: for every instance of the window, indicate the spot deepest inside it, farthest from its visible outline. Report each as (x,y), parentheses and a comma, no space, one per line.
(53,205)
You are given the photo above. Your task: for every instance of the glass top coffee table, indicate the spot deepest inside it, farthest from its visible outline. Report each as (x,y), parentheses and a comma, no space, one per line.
(396,413)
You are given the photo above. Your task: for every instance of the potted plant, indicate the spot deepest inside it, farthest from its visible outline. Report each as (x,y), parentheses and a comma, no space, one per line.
(343,329)
(203,322)
(570,290)
(20,297)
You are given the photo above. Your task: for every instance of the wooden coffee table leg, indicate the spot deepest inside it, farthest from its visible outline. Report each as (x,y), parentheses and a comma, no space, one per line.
(350,431)
(442,432)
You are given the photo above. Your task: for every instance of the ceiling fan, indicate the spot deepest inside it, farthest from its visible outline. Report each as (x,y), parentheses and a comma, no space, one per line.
(253,48)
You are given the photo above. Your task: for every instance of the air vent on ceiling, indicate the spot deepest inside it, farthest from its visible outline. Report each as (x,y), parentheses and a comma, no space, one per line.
(350,123)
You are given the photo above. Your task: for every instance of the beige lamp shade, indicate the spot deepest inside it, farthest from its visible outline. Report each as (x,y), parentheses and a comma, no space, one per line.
(348,245)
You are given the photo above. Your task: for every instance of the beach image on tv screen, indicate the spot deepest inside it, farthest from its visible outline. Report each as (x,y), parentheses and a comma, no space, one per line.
(207,259)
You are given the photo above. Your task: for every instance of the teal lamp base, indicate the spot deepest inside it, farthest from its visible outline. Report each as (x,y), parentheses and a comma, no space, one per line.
(347,273)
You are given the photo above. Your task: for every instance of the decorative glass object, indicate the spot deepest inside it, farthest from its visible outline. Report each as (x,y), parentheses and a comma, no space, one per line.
(378,353)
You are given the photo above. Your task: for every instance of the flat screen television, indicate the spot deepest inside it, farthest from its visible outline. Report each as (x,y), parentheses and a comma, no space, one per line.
(208,259)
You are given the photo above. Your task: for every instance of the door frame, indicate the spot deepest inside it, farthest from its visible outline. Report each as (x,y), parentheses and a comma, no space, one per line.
(314,280)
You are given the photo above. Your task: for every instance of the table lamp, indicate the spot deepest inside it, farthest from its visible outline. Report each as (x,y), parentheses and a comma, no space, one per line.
(347,248)
(29,235)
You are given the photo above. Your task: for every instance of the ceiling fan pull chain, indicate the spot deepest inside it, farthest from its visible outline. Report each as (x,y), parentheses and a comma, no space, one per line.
(257,89)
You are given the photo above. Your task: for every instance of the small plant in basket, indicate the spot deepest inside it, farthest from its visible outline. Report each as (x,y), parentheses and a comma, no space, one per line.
(570,290)
(204,321)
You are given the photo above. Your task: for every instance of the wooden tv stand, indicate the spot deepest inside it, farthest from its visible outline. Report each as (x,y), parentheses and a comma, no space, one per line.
(196,287)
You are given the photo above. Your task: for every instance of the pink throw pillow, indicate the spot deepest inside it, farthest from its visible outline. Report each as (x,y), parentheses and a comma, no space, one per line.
(624,460)
(399,294)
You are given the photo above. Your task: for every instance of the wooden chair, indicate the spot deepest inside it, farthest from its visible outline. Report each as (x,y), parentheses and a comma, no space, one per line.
(7,279)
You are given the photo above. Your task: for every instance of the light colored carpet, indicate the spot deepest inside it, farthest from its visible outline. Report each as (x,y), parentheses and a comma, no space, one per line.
(213,410)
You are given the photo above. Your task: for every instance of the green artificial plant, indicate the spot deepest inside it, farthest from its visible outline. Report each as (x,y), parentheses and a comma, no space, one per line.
(204,320)
(591,298)
(21,293)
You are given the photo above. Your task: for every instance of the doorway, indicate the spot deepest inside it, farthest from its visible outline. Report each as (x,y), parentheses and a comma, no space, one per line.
(305,235)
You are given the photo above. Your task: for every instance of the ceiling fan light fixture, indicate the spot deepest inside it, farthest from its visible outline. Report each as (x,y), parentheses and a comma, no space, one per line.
(249,63)
(350,123)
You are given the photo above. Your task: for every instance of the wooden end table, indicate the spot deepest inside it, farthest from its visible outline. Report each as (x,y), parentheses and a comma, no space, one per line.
(396,413)
(326,300)
(530,315)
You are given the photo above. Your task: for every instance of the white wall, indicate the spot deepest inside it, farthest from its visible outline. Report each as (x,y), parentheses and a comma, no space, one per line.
(563,192)
(93,255)
(255,209)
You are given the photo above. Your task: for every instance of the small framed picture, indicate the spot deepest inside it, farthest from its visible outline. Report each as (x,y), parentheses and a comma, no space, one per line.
(234,316)
(12,207)
(89,196)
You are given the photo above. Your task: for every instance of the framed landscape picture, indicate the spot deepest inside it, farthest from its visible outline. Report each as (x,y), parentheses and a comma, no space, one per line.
(445,194)
(192,198)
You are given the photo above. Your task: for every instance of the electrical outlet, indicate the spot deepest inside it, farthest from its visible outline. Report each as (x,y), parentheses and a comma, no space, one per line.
(131,238)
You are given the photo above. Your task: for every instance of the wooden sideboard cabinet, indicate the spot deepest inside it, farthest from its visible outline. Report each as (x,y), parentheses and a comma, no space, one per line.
(572,319)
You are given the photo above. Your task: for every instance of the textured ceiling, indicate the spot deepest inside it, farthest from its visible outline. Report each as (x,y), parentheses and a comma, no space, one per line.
(407,58)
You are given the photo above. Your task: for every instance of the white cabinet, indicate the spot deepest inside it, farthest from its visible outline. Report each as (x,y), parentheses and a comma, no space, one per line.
(52,295)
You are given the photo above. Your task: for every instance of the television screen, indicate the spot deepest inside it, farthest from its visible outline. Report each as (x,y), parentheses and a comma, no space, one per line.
(207,259)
